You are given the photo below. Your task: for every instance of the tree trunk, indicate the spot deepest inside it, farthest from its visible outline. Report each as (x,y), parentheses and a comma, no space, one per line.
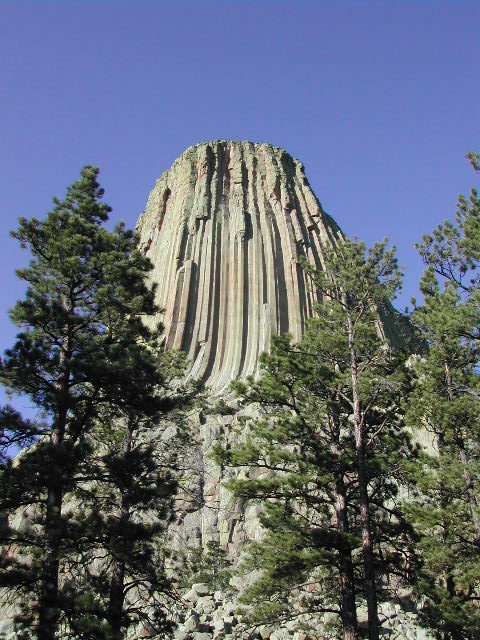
(117,597)
(445,578)
(48,612)
(117,584)
(367,542)
(347,585)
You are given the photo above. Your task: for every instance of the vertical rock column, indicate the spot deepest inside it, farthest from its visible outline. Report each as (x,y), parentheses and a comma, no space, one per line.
(225,228)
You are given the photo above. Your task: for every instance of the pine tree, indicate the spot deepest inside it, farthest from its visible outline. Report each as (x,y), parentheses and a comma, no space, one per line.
(357,287)
(447,404)
(124,503)
(329,454)
(300,456)
(82,347)
(209,565)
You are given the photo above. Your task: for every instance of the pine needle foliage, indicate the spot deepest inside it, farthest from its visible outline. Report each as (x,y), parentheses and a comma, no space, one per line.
(124,502)
(82,353)
(209,565)
(302,458)
(446,403)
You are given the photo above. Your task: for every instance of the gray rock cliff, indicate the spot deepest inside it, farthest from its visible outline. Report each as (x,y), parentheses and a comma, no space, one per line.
(225,228)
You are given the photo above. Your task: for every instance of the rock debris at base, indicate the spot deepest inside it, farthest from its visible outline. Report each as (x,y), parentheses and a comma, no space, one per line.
(211,616)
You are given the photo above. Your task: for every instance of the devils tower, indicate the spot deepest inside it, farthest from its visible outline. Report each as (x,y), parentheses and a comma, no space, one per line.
(225,228)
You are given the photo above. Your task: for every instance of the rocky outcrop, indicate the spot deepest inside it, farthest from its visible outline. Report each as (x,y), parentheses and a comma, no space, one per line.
(214,616)
(206,510)
(225,228)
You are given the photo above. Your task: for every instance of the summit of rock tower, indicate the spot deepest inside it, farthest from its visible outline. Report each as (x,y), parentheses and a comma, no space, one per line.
(226,227)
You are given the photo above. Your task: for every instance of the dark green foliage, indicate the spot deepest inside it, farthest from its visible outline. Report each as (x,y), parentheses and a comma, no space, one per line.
(124,502)
(88,362)
(291,454)
(209,565)
(302,456)
(447,404)
(15,433)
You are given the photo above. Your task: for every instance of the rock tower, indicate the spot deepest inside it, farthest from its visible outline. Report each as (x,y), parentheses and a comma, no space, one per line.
(225,228)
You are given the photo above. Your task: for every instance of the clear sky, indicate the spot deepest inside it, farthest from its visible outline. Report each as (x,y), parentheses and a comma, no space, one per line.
(380,100)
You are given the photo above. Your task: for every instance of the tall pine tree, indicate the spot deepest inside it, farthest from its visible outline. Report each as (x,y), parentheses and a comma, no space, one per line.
(123,504)
(358,288)
(328,457)
(82,347)
(447,404)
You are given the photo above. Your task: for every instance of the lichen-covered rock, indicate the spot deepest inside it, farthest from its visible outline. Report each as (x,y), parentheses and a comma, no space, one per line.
(196,591)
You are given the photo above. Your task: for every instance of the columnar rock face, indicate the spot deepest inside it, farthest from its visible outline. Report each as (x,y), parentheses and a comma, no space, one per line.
(225,228)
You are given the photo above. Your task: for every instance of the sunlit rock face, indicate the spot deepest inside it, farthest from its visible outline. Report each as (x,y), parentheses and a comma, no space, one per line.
(225,228)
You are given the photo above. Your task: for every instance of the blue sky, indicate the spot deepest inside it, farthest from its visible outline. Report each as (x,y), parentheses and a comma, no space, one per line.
(380,101)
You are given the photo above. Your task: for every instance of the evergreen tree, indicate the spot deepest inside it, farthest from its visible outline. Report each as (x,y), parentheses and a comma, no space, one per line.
(209,565)
(123,505)
(82,347)
(357,287)
(328,456)
(447,403)
(300,456)
(15,433)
